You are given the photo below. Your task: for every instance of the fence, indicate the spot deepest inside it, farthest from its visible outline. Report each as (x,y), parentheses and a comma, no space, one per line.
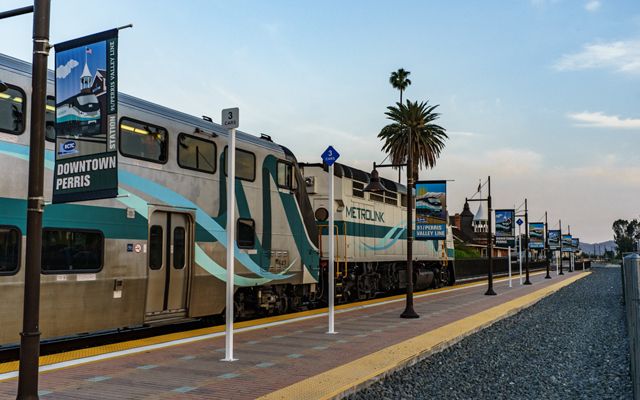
(631,290)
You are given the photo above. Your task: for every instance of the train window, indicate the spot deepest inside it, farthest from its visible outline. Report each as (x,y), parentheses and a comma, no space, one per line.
(358,189)
(403,200)
(376,197)
(155,247)
(12,110)
(391,198)
(50,119)
(245,165)
(285,175)
(143,141)
(246,236)
(71,251)
(10,239)
(178,247)
(197,154)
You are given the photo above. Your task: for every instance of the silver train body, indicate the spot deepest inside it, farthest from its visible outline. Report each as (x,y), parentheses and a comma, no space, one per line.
(160,245)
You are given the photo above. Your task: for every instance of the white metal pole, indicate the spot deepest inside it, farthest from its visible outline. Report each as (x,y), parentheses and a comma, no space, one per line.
(231,208)
(331,266)
(509,262)
(557,264)
(520,251)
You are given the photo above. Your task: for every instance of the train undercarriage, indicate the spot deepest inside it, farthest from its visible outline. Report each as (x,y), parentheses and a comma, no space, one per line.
(354,282)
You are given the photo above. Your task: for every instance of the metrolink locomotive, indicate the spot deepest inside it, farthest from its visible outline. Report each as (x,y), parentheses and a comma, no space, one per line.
(155,254)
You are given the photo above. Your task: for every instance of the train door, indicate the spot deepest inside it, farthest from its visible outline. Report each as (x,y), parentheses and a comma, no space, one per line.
(170,248)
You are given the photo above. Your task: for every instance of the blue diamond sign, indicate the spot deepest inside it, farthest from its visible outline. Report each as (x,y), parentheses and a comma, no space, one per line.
(519,221)
(330,156)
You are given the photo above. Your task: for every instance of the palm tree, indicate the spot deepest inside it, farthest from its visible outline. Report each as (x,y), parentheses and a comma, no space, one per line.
(400,80)
(427,138)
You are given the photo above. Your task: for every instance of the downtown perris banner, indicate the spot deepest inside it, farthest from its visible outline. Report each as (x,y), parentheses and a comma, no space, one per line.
(86,156)
(554,239)
(566,243)
(505,228)
(431,210)
(536,235)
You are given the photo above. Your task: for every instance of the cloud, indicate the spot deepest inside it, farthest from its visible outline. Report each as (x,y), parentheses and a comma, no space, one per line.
(621,56)
(462,133)
(63,70)
(601,120)
(592,5)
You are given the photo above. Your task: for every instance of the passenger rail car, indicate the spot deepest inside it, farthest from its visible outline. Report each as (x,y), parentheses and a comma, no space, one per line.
(371,243)
(156,253)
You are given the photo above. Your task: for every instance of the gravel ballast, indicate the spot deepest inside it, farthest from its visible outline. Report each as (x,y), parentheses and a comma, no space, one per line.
(570,345)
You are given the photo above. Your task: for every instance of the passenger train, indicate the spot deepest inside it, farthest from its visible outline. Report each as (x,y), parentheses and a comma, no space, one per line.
(155,254)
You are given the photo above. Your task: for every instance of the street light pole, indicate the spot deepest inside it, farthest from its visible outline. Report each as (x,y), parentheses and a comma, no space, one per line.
(490,291)
(30,335)
(409,312)
(526,241)
(546,245)
(560,226)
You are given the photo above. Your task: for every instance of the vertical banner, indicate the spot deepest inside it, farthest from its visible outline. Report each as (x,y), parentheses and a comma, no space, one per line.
(554,239)
(86,161)
(431,210)
(575,243)
(536,235)
(566,243)
(505,228)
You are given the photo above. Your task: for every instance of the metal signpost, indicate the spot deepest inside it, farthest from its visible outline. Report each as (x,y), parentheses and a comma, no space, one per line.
(509,251)
(519,222)
(230,120)
(329,157)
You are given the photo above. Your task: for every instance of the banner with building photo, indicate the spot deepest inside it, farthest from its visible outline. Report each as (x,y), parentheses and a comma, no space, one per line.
(575,243)
(536,235)
(554,239)
(86,156)
(505,228)
(431,210)
(566,243)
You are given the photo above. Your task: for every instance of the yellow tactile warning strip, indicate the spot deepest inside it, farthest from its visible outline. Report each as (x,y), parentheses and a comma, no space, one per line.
(116,347)
(349,377)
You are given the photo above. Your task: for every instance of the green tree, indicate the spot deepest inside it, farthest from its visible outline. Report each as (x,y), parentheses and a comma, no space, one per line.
(427,138)
(626,234)
(400,80)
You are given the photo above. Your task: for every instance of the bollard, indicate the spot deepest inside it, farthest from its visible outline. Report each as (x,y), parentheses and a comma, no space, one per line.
(631,271)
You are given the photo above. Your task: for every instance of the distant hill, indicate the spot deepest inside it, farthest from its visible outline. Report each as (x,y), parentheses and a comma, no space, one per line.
(598,248)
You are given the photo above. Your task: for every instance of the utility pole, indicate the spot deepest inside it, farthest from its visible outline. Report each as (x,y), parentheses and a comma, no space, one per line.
(30,335)
(526,247)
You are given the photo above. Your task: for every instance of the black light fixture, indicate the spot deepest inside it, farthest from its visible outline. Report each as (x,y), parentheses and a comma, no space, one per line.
(3,86)
(374,182)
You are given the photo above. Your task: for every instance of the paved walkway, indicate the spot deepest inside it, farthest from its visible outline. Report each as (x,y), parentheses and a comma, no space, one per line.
(279,356)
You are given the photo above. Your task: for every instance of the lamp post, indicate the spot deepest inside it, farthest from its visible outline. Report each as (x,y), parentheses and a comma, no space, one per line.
(490,291)
(546,245)
(526,247)
(375,186)
(560,226)
(30,335)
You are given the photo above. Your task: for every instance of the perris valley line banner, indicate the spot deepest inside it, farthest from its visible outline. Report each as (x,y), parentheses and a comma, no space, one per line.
(86,166)
(431,210)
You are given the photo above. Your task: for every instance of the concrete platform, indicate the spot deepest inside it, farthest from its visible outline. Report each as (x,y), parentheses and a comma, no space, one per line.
(286,357)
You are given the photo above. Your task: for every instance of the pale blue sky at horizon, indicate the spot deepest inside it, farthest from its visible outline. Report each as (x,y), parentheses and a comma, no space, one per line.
(540,94)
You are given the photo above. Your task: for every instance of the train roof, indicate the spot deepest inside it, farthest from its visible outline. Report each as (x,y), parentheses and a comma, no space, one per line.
(345,171)
(24,68)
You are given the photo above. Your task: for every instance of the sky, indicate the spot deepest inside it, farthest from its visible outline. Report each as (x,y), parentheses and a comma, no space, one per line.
(542,95)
